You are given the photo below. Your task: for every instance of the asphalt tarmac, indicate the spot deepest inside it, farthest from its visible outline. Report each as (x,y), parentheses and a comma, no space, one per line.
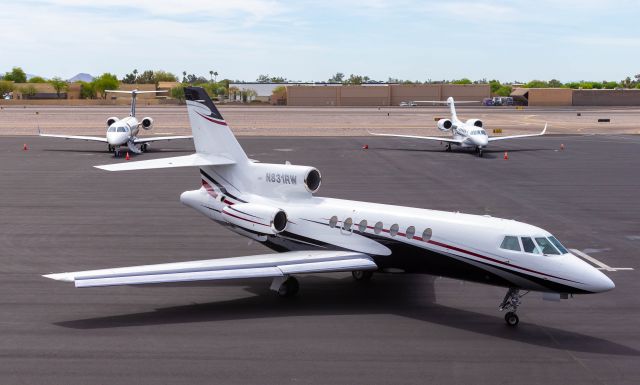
(57,214)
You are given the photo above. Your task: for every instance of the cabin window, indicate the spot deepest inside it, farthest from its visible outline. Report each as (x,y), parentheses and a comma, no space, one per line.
(510,243)
(394,229)
(362,226)
(558,245)
(411,231)
(378,228)
(346,225)
(546,246)
(333,221)
(426,234)
(529,246)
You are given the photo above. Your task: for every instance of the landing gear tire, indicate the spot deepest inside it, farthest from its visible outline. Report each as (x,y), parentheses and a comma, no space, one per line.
(448,147)
(511,319)
(289,288)
(143,147)
(362,275)
(480,152)
(110,148)
(116,152)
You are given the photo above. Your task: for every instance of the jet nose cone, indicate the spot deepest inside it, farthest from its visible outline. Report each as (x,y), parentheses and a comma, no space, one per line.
(602,283)
(116,138)
(482,141)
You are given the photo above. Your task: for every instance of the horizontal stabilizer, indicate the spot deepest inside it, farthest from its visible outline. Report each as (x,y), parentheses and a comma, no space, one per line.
(255,266)
(193,160)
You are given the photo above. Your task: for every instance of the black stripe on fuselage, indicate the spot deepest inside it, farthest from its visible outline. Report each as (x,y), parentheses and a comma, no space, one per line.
(221,187)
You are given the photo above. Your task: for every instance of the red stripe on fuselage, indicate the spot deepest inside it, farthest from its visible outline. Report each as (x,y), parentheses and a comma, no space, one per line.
(244,219)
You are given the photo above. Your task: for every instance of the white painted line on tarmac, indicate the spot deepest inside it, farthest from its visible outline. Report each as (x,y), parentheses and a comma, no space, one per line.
(600,265)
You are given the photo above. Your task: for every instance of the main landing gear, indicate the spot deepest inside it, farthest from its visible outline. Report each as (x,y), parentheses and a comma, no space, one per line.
(362,275)
(448,147)
(286,286)
(510,303)
(143,147)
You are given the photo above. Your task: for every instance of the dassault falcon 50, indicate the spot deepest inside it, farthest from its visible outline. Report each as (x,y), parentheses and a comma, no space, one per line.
(469,134)
(124,132)
(275,204)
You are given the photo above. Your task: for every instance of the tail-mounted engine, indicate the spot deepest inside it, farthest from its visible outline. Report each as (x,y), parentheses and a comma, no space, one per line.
(256,218)
(112,120)
(147,123)
(445,124)
(285,180)
(474,122)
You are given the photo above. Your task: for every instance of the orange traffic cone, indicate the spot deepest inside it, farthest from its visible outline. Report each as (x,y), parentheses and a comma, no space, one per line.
(24,147)
(506,155)
(127,157)
(562,146)
(365,147)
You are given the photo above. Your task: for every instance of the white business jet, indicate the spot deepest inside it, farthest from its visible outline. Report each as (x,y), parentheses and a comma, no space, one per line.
(469,134)
(124,132)
(275,204)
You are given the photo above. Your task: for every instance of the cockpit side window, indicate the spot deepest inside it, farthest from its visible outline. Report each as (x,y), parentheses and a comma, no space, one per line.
(510,243)
(558,245)
(547,247)
(111,129)
(529,246)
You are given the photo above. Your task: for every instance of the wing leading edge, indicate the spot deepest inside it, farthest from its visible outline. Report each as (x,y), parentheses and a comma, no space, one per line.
(158,138)
(447,140)
(518,136)
(254,266)
(76,137)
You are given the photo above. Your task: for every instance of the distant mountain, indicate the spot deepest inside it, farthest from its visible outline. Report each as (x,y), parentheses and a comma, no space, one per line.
(81,77)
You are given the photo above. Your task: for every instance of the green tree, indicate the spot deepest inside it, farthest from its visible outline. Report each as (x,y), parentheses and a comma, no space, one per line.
(356,79)
(104,82)
(164,76)
(537,84)
(337,78)
(609,85)
(555,83)
(494,85)
(87,90)
(59,85)
(263,79)
(5,87)
(178,93)
(279,95)
(37,79)
(503,91)
(28,91)
(16,75)
(462,81)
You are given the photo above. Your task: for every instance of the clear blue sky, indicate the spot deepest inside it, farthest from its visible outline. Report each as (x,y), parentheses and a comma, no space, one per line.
(310,40)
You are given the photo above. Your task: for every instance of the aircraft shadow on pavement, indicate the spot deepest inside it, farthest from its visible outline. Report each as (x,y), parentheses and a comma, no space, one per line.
(493,153)
(409,296)
(150,150)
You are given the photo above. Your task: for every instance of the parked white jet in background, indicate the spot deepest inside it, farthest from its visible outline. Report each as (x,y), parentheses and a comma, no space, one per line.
(469,134)
(123,132)
(274,204)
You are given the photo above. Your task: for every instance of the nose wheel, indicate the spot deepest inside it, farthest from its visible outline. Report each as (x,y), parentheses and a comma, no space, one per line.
(480,152)
(510,303)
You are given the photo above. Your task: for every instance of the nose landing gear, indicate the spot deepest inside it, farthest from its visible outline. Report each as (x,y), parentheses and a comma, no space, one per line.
(510,303)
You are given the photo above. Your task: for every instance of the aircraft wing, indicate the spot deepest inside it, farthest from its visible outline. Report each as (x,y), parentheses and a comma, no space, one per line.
(254,266)
(447,140)
(193,160)
(518,136)
(158,138)
(76,137)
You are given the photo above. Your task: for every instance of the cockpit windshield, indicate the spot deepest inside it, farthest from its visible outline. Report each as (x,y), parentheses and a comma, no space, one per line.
(121,129)
(478,132)
(111,129)
(533,245)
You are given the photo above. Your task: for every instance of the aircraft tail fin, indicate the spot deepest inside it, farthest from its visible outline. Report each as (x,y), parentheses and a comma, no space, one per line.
(211,134)
(452,107)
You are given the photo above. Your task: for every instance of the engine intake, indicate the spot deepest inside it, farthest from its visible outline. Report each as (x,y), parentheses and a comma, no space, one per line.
(256,218)
(445,124)
(112,120)
(474,122)
(147,123)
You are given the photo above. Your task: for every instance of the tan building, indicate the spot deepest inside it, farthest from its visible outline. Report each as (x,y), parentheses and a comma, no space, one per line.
(382,94)
(571,97)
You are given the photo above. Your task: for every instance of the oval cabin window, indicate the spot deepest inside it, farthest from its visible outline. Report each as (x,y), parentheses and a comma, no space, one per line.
(426,235)
(394,229)
(362,226)
(333,221)
(378,228)
(411,231)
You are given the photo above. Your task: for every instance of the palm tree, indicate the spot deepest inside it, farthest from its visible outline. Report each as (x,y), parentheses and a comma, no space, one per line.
(135,75)
(215,76)
(211,74)
(184,76)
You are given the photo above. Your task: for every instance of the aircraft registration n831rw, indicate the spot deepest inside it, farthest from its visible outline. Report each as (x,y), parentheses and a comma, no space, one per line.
(469,134)
(124,132)
(275,204)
